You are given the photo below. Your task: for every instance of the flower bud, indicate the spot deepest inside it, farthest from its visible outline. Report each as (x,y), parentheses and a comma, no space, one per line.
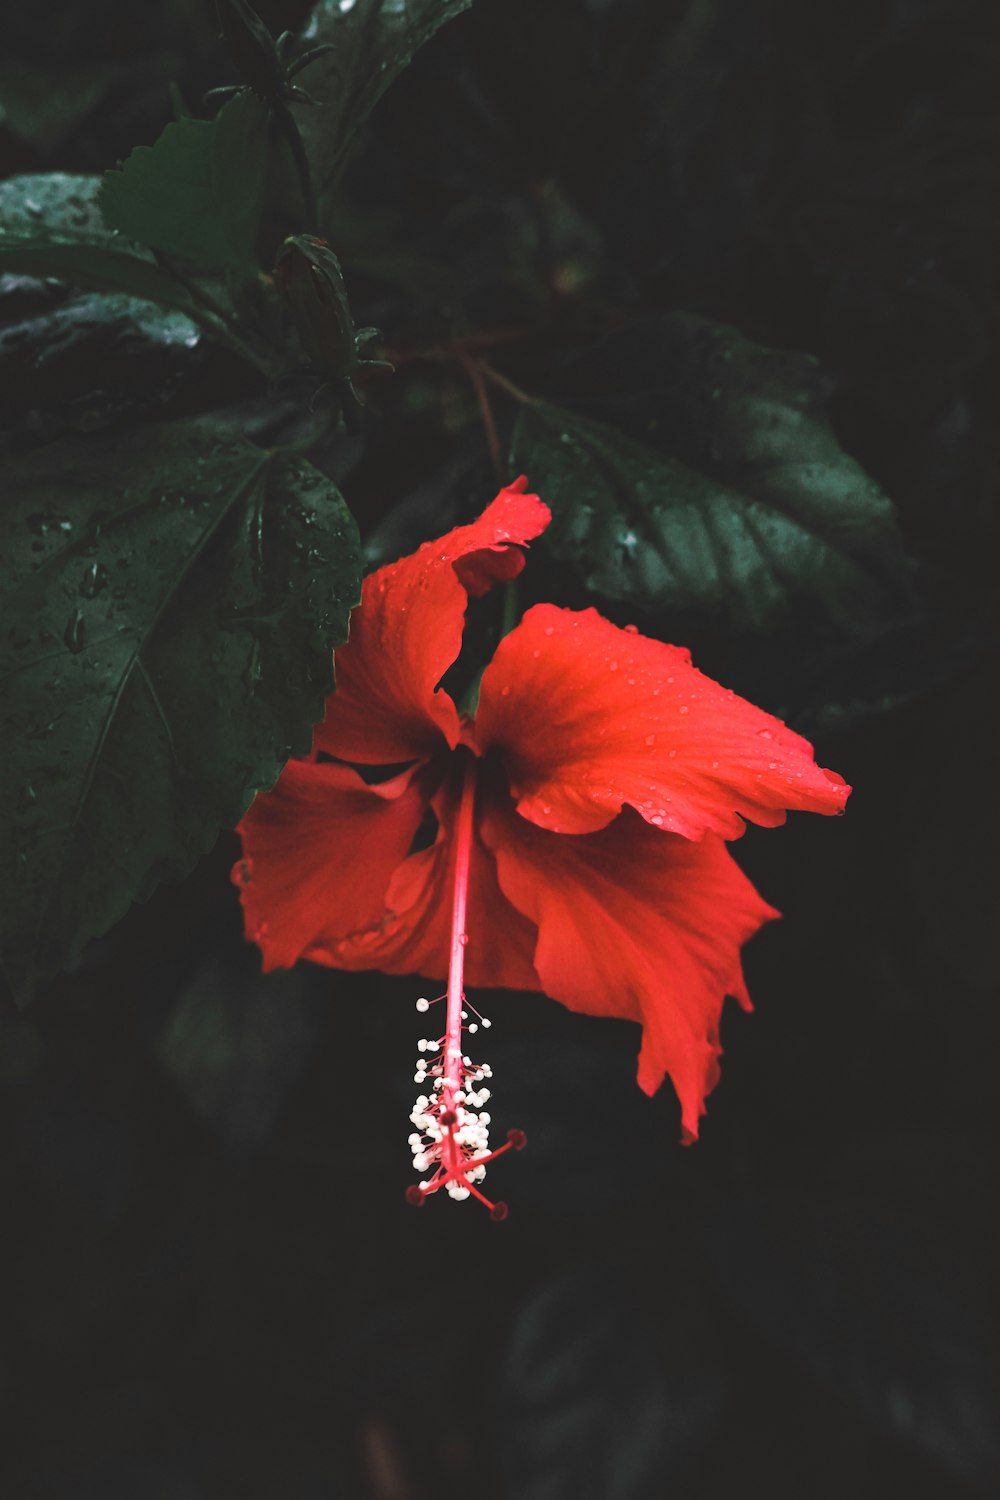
(309,280)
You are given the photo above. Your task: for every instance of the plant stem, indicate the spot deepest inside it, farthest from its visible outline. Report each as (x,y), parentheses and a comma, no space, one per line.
(213,319)
(506,385)
(290,130)
(473,368)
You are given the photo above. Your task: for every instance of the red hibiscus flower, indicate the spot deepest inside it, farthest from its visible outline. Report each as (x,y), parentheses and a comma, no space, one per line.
(581,820)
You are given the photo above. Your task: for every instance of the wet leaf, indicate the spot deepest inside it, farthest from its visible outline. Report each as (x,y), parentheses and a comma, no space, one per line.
(51,226)
(760,508)
(374,40)
(197,192)
(172,604)
(100,268)
(35,203)
(93,359)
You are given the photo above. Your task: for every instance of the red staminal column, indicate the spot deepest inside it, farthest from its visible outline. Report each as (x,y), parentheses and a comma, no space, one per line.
(452,1128)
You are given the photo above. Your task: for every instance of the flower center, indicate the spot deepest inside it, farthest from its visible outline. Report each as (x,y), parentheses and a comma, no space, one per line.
(452,1127)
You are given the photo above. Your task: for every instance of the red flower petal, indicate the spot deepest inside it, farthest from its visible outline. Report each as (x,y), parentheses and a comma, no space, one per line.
(636,924)
(414,933)
(407,631)
(319,852)
(589,717)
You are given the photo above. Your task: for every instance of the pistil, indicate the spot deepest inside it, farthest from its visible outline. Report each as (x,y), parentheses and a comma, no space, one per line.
(452,1128)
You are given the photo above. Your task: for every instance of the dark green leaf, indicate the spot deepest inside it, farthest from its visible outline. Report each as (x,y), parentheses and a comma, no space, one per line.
(100,267)
(765,510)
(172,602)
(52,203)
(374,41)
(197,192)
(51,226)
(93,359)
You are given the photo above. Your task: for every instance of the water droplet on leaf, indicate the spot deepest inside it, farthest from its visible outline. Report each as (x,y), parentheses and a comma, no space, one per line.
(75,631)
(94,580)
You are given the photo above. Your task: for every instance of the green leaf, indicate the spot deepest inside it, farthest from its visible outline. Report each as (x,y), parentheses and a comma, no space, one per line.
(197,192)
(172,601)
(36,203)
(96,266)
(51,226)
(374,41)
(765,510)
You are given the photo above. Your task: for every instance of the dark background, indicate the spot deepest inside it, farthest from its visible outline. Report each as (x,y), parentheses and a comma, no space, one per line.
(213,1285)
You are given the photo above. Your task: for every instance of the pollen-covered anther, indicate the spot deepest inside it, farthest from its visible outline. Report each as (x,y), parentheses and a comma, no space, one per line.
(423,1004)
(451,1139)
